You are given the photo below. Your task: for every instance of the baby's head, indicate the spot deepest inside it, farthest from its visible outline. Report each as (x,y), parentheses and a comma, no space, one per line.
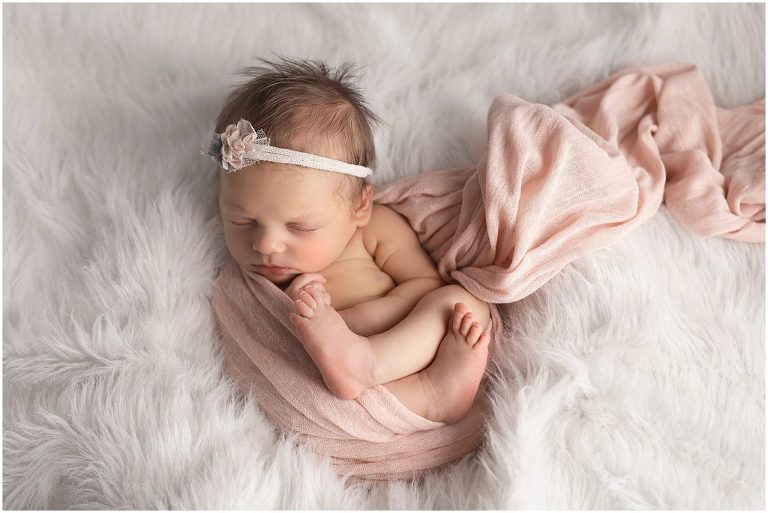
(285,216)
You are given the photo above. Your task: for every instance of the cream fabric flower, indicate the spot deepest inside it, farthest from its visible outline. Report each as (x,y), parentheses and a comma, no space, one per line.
(236,143)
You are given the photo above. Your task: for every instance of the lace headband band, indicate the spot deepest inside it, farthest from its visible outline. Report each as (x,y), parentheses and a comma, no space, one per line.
(241,146)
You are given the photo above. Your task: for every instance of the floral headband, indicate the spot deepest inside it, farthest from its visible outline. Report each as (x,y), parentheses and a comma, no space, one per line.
(240,146)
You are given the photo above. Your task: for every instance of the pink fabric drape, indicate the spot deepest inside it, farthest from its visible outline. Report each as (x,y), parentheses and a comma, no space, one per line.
(557,183)
(554,184)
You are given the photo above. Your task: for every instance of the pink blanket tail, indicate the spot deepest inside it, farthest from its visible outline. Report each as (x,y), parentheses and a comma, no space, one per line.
(558,183)
(554,184)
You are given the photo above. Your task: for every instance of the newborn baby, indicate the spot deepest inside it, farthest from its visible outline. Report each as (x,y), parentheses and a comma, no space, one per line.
(369,304)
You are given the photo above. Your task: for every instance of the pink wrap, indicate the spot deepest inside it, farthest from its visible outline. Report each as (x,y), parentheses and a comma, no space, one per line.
(554,184)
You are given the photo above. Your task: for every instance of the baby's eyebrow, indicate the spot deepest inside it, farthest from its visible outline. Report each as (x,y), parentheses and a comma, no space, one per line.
(240,210)
(307,217)
(233,206)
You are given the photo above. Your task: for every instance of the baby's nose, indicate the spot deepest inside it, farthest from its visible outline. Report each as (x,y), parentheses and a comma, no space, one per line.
(267,244)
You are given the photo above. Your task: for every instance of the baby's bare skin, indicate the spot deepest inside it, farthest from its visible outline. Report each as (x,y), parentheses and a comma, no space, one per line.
(436,348)
(444,391)
(354,277)
(380,313)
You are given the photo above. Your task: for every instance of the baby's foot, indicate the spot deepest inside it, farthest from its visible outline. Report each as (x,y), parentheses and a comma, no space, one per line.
(452,379)
(344,358)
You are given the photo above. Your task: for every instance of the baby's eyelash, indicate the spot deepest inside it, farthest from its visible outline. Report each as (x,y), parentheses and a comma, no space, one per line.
(298,229)
(290,227)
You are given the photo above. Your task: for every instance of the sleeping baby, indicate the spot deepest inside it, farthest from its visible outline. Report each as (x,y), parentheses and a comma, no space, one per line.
(295,145)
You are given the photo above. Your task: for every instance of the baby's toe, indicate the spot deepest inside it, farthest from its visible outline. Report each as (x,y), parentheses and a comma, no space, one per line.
(475,331)
(483,341)
(466,324)
(459,311)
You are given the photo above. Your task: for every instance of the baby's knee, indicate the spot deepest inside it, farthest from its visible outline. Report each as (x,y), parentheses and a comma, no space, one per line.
(447,296)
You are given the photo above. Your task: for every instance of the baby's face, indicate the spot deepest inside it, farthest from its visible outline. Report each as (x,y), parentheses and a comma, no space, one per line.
(282,220)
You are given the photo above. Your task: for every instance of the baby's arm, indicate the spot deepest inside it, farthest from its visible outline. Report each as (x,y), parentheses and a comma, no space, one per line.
(403,329)
(399,254)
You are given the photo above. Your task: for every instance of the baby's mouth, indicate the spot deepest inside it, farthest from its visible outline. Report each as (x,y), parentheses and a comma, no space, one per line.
(270,270)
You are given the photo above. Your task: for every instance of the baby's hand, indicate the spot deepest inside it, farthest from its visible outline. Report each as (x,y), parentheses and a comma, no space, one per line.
(302,281)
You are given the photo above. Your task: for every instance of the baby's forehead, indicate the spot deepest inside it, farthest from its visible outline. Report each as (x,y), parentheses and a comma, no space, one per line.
(301,188)
(265,174)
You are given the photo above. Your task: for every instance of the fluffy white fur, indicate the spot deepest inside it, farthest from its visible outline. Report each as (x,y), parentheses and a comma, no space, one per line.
(634,379)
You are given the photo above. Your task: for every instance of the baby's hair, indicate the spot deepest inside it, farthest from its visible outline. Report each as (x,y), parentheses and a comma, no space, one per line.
(307,106)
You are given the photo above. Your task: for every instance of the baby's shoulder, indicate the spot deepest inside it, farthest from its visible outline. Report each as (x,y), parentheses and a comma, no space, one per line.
(382,216)
(386,227)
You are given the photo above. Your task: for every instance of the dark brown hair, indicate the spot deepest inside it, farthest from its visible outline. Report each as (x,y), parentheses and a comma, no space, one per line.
(306,106)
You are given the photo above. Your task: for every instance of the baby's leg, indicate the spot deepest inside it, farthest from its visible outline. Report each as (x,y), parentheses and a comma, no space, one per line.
(351,363)
(445,391)
(412,344)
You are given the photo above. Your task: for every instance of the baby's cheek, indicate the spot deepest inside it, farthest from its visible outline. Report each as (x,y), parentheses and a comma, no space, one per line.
(316,255)
(238,247)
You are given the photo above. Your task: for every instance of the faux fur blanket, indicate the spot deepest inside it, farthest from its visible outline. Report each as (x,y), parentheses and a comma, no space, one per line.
(548,190)
(633,379)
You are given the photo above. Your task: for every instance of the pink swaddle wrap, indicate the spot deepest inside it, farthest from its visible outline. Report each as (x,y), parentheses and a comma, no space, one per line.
(554,184)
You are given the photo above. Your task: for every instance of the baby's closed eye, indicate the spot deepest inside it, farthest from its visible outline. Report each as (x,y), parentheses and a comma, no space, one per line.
(290,226)
(241,223)
(300,228)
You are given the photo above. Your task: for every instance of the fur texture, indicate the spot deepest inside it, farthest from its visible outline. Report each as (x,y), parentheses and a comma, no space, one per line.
(634,379)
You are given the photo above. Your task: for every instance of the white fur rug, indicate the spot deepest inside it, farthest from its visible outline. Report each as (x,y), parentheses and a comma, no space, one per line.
(634,379)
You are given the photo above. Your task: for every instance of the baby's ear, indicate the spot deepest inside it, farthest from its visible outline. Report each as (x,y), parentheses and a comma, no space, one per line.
(364,206)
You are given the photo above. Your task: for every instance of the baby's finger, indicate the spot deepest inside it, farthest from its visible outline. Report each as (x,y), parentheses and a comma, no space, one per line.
(301,281)
(318,294)
(312,285)
(308,299)
(304,309)
(308,278)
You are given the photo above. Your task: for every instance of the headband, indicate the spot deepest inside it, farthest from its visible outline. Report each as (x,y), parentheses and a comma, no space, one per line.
(240,146)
